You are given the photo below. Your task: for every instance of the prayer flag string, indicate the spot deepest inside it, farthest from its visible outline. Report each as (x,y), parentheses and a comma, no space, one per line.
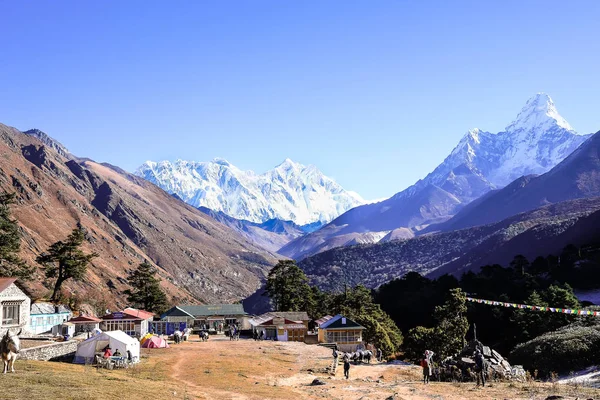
(536,308)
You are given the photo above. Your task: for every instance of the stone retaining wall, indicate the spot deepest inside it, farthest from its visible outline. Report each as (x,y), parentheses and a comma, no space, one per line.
(51,351)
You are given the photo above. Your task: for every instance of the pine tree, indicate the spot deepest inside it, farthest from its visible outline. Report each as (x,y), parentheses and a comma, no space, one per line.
(147,293)
(448,336)
(11,265)
(64,260)
(287,286)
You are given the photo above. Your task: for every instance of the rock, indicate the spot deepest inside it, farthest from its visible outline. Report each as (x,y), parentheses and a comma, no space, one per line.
(317,382)
(486,351)
(497,355)
(554,397)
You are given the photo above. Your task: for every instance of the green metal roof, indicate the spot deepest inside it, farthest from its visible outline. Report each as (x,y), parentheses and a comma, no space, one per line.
(214,309)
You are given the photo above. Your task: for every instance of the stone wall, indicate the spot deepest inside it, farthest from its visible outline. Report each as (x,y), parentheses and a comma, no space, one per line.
(49,351)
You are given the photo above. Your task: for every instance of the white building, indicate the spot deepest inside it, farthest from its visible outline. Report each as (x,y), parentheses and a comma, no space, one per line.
(14,306)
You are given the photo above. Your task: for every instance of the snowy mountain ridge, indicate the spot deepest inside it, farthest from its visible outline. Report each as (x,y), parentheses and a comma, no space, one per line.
(290,192)
(537,140)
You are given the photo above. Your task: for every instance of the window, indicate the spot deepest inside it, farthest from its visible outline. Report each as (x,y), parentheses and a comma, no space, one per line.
(11,312)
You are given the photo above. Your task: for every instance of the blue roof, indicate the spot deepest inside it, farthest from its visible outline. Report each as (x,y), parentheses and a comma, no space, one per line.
(341,322)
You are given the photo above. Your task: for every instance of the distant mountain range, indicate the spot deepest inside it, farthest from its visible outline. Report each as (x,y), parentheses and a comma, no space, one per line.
(289,192)
(531,216)
(537,140)
(544,231)
(270,235)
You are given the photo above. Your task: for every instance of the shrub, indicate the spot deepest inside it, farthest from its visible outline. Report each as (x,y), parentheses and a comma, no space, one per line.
(571,348)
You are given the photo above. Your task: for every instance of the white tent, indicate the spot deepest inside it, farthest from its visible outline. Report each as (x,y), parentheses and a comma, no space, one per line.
(87,349)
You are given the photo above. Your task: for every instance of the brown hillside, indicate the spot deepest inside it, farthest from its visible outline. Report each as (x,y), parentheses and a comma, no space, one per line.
(128,220)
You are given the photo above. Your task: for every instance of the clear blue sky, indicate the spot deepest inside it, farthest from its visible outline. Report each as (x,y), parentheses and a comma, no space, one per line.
(374,93)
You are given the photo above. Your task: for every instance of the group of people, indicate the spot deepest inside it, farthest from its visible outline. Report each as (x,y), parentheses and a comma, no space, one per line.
(480,366)
(108,353)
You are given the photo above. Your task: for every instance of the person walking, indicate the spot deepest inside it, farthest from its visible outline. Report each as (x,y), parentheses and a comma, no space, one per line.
(346,367)
(379,355)
(480,367)
(427,365)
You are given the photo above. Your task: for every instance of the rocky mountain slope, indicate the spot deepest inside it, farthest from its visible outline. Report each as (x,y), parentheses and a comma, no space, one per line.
(537,140)
(289,192)
(540,232)
(128,220)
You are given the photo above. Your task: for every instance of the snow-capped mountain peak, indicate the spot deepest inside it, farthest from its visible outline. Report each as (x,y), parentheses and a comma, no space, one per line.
(538,113)
(290,191)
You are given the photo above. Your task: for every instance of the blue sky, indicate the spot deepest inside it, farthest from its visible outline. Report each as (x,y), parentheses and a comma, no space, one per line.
(375,94)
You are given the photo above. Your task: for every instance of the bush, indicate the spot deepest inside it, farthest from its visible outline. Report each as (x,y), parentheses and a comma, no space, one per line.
(571,348)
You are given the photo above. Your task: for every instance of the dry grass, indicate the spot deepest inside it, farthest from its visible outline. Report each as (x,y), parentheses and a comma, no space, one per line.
(251,370)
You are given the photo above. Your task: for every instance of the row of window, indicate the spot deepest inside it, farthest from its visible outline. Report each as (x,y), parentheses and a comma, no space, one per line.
(125,326)
(344,337)
(48,320)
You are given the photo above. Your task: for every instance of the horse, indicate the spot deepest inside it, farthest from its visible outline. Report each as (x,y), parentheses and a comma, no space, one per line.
(177,335)
(10,346)
(203,336)
(366,356)
(186,334)
(234,333)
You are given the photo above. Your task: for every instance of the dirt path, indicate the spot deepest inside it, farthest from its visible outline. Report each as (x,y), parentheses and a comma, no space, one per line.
(249,370)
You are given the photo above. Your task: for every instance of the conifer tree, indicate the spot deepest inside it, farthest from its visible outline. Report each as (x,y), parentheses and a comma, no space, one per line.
(65,260)
(287,286)
(146,292)
(11,265)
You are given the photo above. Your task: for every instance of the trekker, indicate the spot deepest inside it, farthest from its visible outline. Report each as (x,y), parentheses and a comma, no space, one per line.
(107,352)
(117,353)
(379,355)
(479,367)
(346,367)
(427,364)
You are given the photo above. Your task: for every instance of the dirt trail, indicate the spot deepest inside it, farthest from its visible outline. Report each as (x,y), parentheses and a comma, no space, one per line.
(249,370)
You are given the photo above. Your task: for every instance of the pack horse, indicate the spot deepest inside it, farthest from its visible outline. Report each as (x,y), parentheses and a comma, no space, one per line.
(10,346)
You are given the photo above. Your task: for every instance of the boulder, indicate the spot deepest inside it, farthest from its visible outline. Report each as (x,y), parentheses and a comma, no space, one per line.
(497,355)
(486,351)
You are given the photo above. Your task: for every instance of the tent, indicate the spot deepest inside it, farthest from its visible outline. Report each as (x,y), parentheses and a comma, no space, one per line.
(87,349)
(146,337)
(155,342)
